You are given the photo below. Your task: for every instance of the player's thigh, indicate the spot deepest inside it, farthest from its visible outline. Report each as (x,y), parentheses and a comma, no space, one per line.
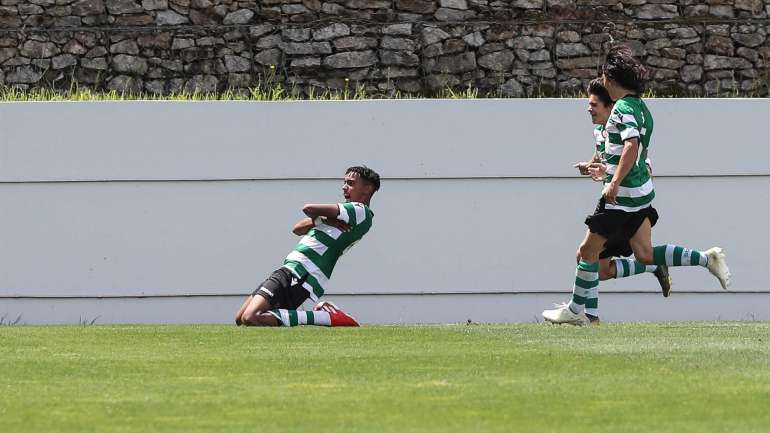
(591,247)
(265,296)
(641,242)
(257,305)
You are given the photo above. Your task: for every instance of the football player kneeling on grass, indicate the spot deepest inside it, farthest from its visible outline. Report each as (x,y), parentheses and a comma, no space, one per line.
(328,231)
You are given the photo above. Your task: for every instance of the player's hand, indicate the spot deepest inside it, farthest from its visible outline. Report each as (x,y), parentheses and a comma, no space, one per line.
(582,167)
(338,224)
(610,192)
(597,170)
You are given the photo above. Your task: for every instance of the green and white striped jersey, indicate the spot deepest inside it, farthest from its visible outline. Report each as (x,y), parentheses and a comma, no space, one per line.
(318,251)
(599,139)
(630,118)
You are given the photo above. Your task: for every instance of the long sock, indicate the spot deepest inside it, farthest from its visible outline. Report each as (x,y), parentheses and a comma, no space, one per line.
(592,302)
(627,267)
(302,317)
(586,278)
(673,255)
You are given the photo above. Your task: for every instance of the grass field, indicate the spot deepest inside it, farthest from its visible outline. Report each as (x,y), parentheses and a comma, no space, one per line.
(665,377)
(263,92)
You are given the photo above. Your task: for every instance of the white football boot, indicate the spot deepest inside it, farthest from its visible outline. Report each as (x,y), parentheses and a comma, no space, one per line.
(718,266)
(562,314)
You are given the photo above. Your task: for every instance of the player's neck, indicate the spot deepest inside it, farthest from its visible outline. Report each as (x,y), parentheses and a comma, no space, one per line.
(625,93)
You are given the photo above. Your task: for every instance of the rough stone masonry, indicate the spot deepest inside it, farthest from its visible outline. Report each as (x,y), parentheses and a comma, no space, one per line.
(503,48)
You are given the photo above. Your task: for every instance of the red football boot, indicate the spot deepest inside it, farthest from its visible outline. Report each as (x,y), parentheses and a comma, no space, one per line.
(337,316)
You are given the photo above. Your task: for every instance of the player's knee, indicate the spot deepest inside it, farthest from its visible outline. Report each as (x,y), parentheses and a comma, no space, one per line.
(249,317)
(246,319)
(250,314)
(606,273)
(585,253)
(644,256)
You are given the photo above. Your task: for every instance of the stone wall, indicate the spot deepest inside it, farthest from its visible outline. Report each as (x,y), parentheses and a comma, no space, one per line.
(505,48)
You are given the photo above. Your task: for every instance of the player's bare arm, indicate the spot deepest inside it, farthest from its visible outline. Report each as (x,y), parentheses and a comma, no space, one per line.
(303,226)
(585,167)
(597,171)
(321,210)
(582,167)
(327,213)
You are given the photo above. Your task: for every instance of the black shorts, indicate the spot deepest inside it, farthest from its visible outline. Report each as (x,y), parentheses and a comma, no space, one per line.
(283,290)
(616,247)
(618,227)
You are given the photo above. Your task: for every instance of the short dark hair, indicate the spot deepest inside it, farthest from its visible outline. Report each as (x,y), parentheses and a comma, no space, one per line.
(367,174)
(596,87)
(621,67)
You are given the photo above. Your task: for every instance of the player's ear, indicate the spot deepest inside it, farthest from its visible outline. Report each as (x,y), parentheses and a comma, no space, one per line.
(366,189)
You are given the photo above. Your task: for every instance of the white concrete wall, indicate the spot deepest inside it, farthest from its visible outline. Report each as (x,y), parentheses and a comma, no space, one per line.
(159,199)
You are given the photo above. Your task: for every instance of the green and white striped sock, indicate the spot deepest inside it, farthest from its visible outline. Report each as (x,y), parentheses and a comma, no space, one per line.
(302,317)
(627,267)
(592,302)
(673,255)
(586,278)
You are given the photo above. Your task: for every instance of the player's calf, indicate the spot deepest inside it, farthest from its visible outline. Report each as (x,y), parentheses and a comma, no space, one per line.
(264,319)
(324,314)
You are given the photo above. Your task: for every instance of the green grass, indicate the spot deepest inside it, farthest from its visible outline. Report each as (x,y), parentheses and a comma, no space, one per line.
(670,377)
(269,91)
(281,93)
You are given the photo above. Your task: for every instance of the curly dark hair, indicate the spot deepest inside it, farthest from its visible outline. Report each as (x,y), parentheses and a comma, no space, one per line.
(367,174)
(621,67)
(596,87)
